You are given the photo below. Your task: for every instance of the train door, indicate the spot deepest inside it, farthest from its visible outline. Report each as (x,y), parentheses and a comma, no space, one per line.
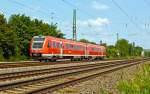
(86,51)
(49,47)
(61,49)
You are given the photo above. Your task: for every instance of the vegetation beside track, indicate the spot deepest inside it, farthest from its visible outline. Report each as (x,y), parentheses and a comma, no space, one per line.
(16,33)
(140,84)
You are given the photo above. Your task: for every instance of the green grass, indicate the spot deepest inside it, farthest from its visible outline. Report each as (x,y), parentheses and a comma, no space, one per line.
(140,84)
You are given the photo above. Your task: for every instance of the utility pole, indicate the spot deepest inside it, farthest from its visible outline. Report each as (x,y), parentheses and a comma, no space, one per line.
(116,42)
(52,17)
(74,25)
(117,36)
(101,42)
(133,44)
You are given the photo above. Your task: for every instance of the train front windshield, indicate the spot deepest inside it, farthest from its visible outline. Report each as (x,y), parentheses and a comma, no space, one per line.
(37,45)
(38,42)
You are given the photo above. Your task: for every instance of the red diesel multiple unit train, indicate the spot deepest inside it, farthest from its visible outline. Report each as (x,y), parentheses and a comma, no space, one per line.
(51,48)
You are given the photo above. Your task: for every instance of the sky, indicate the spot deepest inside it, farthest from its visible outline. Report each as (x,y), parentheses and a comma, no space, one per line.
(96,19)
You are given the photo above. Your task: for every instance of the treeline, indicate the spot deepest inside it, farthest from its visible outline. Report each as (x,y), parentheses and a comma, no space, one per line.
(17,31)
(123,48)
(147,53)
(86,41)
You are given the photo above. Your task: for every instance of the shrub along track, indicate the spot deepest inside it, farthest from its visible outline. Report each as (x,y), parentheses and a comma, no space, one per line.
(50,80)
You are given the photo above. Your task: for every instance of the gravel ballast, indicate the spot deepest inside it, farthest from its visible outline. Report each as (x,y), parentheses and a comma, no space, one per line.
(99,85)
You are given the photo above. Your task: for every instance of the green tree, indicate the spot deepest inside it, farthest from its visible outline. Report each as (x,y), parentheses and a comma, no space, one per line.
(122,46)
(111,51)
(20,24)
(7,39)
(147,53)
(86,41)
(25,29)
(138,50)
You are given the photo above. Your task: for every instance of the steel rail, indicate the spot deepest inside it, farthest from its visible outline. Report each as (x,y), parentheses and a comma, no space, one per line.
(28,73)
(50,78)
(25,64)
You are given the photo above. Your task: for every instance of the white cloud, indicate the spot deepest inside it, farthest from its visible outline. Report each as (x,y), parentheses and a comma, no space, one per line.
(98,6)
(93,22)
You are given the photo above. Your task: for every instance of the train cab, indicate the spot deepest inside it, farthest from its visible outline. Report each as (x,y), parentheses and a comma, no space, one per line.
(37,45)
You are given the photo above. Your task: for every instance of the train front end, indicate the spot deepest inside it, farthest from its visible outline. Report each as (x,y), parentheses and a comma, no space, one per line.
(37,46)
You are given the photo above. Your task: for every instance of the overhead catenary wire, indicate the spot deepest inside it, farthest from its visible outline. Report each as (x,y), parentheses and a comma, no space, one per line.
(126,14)
(116,4)
(21,4)
(45,11)
(79,9)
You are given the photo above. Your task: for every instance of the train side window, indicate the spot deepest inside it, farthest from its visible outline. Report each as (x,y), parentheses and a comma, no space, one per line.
(72,46)
(75,47)
(48,44)
(99,49)
(67,46)
(78,47)
(54,44)
(58,45)
(92,49)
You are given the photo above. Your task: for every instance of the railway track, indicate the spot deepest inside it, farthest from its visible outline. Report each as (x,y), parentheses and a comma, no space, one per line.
(46,81)
(48,71)
(26,64)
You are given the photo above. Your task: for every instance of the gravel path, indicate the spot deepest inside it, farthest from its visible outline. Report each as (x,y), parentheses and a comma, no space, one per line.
(99,85)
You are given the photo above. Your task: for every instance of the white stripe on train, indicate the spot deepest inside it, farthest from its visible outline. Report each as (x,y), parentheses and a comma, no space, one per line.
(68,55)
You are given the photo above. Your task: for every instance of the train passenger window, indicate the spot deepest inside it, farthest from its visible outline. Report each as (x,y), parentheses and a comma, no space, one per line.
(58,45)
(67,46)
(72,46)
(78,47)
(92,49)
(54,44)
(75,47)
(99,49)
(48,44)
